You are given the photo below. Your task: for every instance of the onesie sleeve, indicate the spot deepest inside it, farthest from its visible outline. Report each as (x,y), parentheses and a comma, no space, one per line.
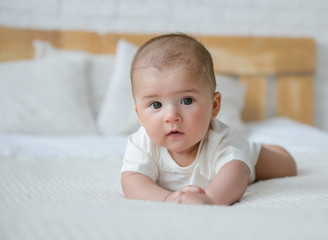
(232,146)
(140,155)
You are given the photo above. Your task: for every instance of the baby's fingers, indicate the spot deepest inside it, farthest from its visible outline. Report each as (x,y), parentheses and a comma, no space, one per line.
(192,188)
(175,197)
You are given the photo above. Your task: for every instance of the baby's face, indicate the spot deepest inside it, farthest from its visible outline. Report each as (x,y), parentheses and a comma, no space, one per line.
(174,106)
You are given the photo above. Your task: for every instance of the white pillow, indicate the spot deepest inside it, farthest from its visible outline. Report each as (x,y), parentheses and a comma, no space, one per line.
(117,114)
(47,96)
(99,67)
(232,101)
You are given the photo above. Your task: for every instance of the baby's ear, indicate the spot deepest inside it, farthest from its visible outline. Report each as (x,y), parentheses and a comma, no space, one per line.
(136,109)
(216,105)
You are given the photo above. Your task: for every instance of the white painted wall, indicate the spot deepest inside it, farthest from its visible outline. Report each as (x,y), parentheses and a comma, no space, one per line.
(227,17)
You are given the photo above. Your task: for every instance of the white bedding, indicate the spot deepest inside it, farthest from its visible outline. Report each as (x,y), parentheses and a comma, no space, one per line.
(68,187)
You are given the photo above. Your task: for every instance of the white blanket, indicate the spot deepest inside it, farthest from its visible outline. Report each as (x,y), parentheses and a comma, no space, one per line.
(56,187)
(81,198)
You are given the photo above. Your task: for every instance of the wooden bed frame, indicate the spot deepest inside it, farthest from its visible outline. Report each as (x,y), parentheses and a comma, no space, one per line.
(282,68)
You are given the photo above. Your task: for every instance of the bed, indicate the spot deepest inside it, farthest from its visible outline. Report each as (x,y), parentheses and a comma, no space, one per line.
(66,111)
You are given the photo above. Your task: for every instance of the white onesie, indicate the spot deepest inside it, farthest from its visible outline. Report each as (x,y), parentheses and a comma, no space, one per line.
(220,145)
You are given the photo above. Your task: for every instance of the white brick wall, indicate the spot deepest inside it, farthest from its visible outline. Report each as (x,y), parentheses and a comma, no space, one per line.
(233,17)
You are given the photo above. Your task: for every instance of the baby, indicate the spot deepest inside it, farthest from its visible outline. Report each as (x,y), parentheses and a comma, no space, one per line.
(182,153)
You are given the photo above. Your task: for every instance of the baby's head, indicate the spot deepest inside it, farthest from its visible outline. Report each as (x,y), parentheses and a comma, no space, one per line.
(169,51)
(174,85)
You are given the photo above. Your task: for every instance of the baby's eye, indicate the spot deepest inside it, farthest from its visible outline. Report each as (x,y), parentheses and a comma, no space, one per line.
(156,105)
(187,101)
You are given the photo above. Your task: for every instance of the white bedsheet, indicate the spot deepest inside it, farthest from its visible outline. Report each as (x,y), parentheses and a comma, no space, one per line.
(69,188)
(17,145)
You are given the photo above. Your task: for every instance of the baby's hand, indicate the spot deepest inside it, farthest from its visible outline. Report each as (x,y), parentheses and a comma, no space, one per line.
(192,188)
(177,196)
(195,198)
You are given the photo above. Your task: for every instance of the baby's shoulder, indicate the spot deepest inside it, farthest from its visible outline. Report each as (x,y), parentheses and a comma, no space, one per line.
(218,131)
(142,141)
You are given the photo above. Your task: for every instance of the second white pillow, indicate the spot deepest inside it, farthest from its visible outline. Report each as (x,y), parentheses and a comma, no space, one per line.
(232,101)
(117,114)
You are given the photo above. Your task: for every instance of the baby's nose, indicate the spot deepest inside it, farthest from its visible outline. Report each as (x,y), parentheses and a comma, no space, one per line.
(172,114)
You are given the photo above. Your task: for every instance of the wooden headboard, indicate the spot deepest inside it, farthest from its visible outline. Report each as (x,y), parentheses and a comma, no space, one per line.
(272,68)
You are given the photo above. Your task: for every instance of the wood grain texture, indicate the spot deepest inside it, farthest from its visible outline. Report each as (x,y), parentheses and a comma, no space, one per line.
(295,97)
(255,98)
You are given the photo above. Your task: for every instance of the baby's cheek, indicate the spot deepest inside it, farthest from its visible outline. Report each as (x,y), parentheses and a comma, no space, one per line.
(155,133)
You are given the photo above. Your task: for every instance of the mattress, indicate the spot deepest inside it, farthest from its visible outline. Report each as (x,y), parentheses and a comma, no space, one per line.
(54,187)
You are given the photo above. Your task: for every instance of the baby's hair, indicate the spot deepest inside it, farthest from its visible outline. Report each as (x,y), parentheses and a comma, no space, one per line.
(175,49)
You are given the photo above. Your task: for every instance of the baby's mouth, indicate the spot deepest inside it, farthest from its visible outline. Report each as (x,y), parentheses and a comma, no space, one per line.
(175,134)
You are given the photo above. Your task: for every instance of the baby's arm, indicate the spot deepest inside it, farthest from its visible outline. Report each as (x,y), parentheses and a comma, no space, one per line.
(227,187)
(230,183)
(139,186)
